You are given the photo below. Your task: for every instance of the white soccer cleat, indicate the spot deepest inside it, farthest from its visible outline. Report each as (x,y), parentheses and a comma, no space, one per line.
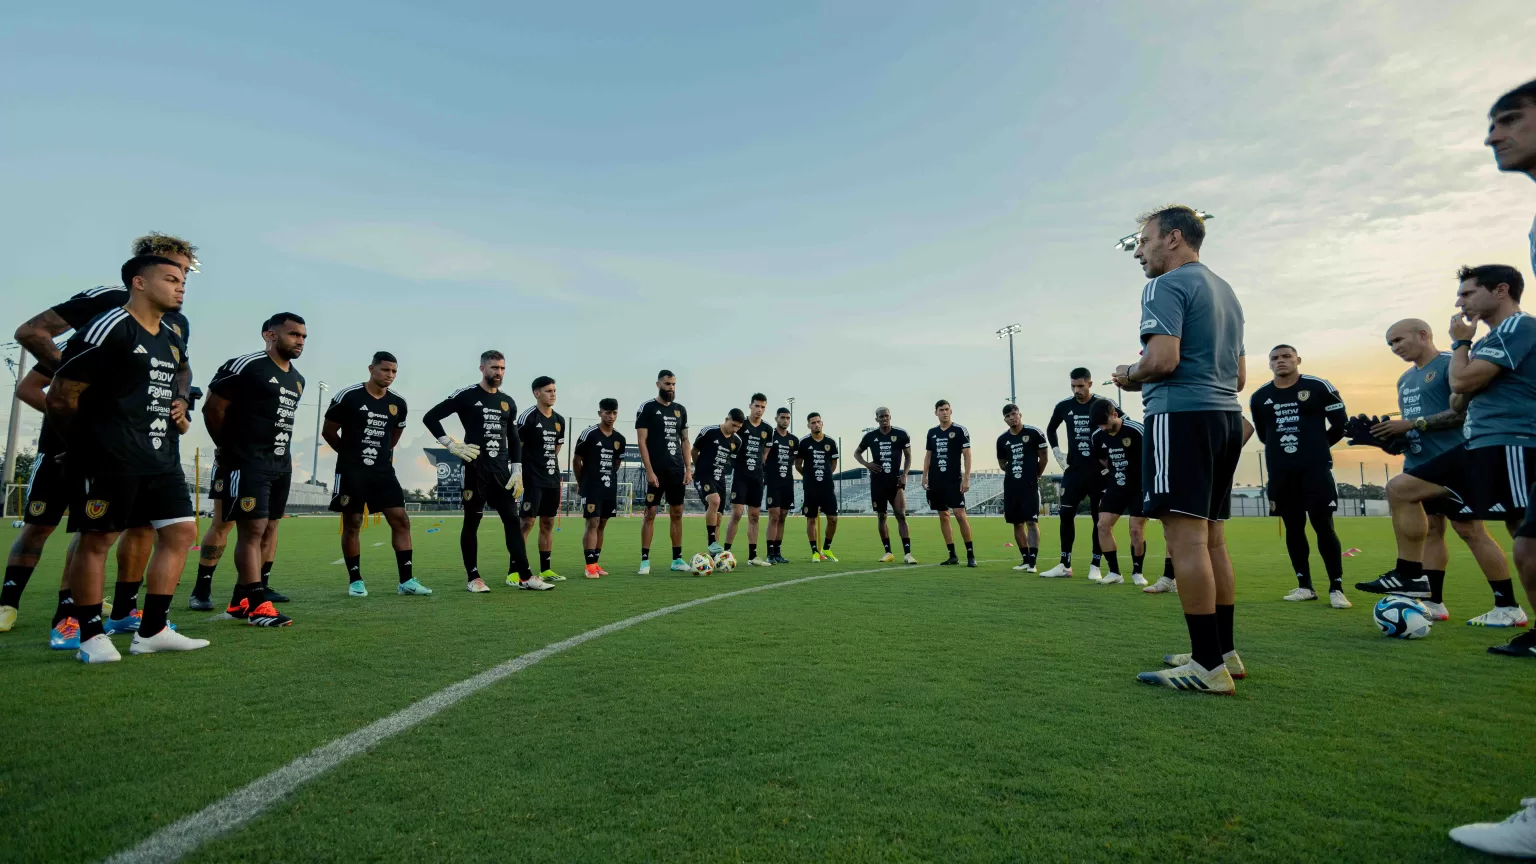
(1163,585)
(1337,600)
(1437,611)
(758,562)
(166,640)
(1500,616)
(1515,837)
(534,584)
(477,586)
(98,649)
(1233,662)
(645,567)
(1299,594)
(1060,571)
(1138,580)
(1192,678)
(1022,568)
(1093,573)
(1031,568)
(909,558)
(1112,579)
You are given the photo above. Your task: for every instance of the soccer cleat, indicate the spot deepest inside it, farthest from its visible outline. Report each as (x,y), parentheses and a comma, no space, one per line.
(7,618)
(1391,583)
(413,588)
(1233,663)
(1192,678)
(1112,578)
(1021,568)
(1299,594)
(97,649)
(276,597)
(715,549)
(680,566)
(909,558)
(478,586)
(357,589)
(601,571)
(826,555)
(1163,585)
(65,636)
(1093,573)
(200,604)
(166,640)
(1515,837)
(645,567)
(238,610)
(1500,616)
(951,561)
(592,572)
(551,576)
(758,562)
(1138,580)
(1523,645)
(534,584)
(130,624)
(1337,600)
(266,615)
(970,561)
(888,558)
(815,557)
(1060,571)
(1437,611)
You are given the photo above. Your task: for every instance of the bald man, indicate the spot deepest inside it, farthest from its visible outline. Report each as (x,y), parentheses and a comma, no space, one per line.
(1431,424)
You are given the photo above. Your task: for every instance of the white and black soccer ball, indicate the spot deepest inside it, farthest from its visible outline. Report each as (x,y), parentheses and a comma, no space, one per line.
(702,565)
(1402,617)
(725,562)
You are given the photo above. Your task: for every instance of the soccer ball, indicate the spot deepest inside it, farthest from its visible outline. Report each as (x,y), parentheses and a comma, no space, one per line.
(17,524)
(701,565)
(1402,617)
(725,562)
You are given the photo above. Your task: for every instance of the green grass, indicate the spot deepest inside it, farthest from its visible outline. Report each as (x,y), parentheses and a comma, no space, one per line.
(909,714)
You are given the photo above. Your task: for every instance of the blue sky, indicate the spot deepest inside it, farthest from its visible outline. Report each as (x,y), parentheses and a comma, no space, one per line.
(838,203)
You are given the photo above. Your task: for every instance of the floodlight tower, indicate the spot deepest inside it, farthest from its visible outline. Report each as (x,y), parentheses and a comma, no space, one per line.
(1128,242)
(1007,333)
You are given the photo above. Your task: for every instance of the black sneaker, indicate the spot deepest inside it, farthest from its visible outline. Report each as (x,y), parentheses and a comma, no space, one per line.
(283,598)
(1391,583)
(266,615)
(970,562)
(1523,645)
(952,562)
(199,604)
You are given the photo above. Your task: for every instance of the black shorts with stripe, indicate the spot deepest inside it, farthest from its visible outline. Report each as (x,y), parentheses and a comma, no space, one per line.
(1302,490)
(1122,500)
(253,493)
(48,491)
(883,489)
(747,490)
(1021,505)
(370,488)
(541,501)
(1490,483)
(819,500)
(108,503)
(1188,460)
(781,494)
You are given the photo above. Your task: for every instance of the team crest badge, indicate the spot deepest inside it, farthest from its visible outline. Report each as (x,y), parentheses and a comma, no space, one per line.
(951,434)
(557,427)
(95,509)
(300,387)
(394,410)
(618,446)
(176,352)
(1429,376)
(765,436)
(733,445)
(1125,442)
(506,407)
(1304,395)
(345,500)
(591,508)
(827,448)
(36,508)
(248,504)
(218,485)
(467,494)
(677,413)
(174,329)
(650,498)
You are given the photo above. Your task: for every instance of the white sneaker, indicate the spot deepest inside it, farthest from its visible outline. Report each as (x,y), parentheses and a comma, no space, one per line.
(534,584)
(1437,611)
(645,567)
(98,649)
(1192,677)
(1093,573)
(1060,571)
(1022,568)
(1234,663)
(166,640)
(1138,579)
(1163,585)
(758,562)
(909,558)
(1515,837)
(1032,568)
(1500,616)
(1112,579)
(1337,600)
(1299,594)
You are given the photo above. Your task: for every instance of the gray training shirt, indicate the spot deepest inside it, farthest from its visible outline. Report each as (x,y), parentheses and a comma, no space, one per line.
(1425,393)
(1201,309)
(1501,413)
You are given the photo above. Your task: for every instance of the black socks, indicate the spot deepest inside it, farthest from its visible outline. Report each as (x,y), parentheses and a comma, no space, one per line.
(1504,593)
(1436,585)
(156,608)
(65,609)
(1114,561)
(15,583)
(1204,639)
(354,567)
(125,597)
(403,564)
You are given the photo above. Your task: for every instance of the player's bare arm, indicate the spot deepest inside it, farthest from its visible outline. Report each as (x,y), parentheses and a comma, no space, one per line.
(906,465)
(1040,462)
(214,409)
(33,390)
(331,432)
(63,401)
(1468,376)
(927,465)
(36,335)
(858,456)
(965,478)
(645,458)
(687,457)
(1158,361)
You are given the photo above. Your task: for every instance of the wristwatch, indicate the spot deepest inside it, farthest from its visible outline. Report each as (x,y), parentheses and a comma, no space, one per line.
(1461,343)
(1420,424)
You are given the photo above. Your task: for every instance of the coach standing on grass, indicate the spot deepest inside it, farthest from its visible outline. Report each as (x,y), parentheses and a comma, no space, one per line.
(1190,373)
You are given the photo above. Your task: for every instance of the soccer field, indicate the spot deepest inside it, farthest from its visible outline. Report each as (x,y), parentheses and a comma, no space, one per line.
(894,713)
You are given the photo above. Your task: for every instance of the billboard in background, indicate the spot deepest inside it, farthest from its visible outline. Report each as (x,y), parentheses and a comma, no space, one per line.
(450,474)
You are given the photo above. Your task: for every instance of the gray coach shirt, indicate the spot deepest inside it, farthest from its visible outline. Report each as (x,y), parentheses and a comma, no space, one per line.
(1425,393)
(1201,309)
(1502,413)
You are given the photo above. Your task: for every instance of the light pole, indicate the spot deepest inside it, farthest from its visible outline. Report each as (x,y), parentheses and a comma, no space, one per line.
(19,368)
(1007,333)
(314,470)
(791,401)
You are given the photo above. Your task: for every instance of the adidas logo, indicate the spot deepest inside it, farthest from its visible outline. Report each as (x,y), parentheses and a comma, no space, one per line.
(362,407)
(139,349)
(1497,508)
(272,381)
(1269,401)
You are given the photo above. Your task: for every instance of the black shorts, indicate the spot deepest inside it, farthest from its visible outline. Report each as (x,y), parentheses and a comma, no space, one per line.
(111,503)
(781,494)
(255,493)
(819,500)
(669,486)
(485,485)
(1021,505)
(602,505)
(1188,468)
(707,486)
(541,501)
(747,490)
(1300,490)
(1121,500)
(1079,482)
(883,489)
(48,491)
(357,488)
(945,495)
(1490,483)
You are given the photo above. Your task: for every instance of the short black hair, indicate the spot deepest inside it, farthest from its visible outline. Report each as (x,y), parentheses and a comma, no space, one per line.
(1177,217)
(814,415)
(940,404)
(665,373)
(609,404)
(136,266)
(1098,412)
(1009,409)
(492,354)
(736,415)
(1284,345)
(1521,97)
(279,320)
(383,357)
(541,382)
(758,397)
(781,411)
(1491,276)
(1081,373)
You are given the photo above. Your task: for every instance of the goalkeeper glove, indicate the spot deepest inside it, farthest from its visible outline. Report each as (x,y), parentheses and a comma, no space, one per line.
(515,482)
(1358,431)
(467,452)
(1061,458)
